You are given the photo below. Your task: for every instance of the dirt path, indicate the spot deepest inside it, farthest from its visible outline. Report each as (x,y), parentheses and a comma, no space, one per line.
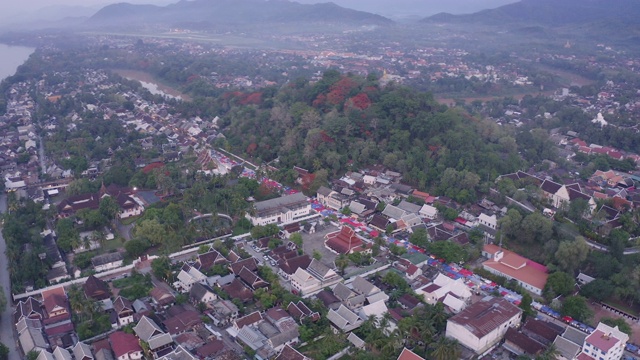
(600,312)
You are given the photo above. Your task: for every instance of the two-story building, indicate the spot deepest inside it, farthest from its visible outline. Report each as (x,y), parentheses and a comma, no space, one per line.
(280,210)
(483,324)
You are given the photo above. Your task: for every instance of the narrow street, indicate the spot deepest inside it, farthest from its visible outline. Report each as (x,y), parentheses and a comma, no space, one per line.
(42,156)
(6,323)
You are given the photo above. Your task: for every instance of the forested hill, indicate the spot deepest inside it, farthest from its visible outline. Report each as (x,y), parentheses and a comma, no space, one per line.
(551,13)
(235,13)
(346,122)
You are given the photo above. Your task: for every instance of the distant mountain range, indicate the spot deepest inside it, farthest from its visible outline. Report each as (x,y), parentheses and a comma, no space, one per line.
(231,13)
(554,13)
(404,9)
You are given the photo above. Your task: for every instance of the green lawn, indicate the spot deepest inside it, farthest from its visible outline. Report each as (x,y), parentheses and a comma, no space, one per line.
(130,220)
(135,286)
(325,347)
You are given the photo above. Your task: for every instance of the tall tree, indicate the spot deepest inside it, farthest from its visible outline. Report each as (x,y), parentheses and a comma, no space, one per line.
(109,207)
(445,349)
(558,283)
(4,352)
(571,254)
(577,308)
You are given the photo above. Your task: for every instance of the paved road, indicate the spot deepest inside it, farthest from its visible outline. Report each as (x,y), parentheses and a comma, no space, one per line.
(6,323)
(42,156)
(124,230)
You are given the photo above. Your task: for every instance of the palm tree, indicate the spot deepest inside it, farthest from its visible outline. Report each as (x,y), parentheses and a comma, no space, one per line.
(438,316)
(445,349)
(551,353)
(341,263)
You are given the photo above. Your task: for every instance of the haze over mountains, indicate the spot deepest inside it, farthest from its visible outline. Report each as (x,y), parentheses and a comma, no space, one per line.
(550,13)
(618,18)
(401,9)
(231,12)
(37,14)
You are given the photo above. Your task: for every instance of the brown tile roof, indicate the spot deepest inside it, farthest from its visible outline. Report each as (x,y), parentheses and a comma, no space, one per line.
(542,329)
(289,353)
(483,317)
(409,301)
(291,265)
(209,259)
(237,290)
(211,348)
(550,186)
(252,318)
(182,322)
(251,279)
(96,289)
(327,297)
(524,342)
(53,298)
(162,296)
(250,263)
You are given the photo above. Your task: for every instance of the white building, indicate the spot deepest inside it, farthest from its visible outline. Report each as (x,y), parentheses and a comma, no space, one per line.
(605,343)
(304,283)
(284,209)
(483,324)
(107,261)
(529,274)
(453,293)
(488,221)
(187,277)
(428,212)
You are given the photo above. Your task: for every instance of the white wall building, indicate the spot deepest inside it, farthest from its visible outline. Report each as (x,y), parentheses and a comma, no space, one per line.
(483,324)
(605,343)
(488,221)
(284,209)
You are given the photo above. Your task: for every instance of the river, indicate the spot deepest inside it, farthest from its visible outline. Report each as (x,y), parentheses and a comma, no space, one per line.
(149,83)
(11,57)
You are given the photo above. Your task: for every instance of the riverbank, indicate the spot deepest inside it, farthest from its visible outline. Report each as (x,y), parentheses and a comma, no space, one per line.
(152,84)
(12,58)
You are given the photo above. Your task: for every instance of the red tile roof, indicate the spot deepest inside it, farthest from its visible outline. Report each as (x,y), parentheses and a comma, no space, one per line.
(602,341)
(53,298)
(583,356)
(123,343)
(511,265)
(407,354)
(343,241)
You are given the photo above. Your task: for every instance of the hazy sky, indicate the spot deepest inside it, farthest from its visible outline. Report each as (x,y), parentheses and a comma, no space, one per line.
(10,8)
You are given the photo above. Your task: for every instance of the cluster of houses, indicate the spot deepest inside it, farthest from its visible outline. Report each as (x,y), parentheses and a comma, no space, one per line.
(19,157)
(616,188)
(171,331)
(128,202)
(491,321)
